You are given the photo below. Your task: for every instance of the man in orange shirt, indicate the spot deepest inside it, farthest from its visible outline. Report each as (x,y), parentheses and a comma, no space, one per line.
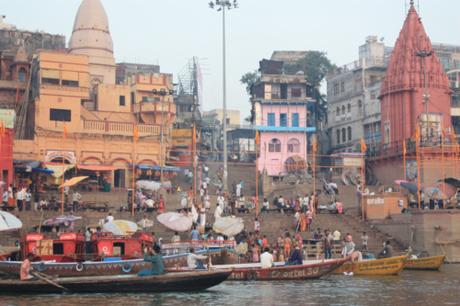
(26,267)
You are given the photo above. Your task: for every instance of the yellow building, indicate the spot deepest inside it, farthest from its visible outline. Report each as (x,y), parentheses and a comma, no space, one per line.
(77,115)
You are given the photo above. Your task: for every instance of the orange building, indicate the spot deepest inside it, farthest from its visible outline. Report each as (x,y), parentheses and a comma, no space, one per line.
(77,116)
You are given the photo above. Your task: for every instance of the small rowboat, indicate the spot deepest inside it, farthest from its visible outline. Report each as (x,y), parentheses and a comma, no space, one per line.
(424,263)
(384,266)
(180,281)
(309,270)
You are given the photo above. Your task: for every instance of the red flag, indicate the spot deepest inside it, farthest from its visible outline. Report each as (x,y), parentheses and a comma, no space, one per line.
(363,146)
(314,144)
(257,140)
(404,148)
(64,131)
(135,133)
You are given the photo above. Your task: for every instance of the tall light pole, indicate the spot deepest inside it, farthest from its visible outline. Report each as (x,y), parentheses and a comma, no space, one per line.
(223,5)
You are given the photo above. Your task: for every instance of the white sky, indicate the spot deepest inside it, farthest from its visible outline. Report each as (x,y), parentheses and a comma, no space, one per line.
(169,32)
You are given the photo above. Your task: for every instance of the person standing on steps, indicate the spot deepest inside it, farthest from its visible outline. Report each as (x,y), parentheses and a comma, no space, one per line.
(364,241)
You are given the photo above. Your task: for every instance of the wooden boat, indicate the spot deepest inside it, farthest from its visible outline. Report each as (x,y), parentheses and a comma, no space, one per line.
(384,266)
(424,263)
(309,270)
(180,281)
(110,266)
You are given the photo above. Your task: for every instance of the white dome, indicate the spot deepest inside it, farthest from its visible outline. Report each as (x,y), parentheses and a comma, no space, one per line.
(91,34)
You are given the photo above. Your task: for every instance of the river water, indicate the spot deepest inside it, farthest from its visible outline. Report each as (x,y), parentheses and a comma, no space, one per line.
(409,288)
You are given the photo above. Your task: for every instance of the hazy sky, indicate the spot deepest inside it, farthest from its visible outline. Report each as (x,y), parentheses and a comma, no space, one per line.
(169,32)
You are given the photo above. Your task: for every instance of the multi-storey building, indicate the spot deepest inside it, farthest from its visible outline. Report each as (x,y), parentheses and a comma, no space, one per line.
(364,118)
(352,94)
(16,50)
(282,105)
(77,115)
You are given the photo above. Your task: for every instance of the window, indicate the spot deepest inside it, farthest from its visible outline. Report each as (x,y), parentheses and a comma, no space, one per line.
(274,145)
(283,119)
(344,135)
(343,109)
(360,106)
(50,81)
(293,146)
(122,100)
(342,86)
(60,114)
(58,248)
(133,98)
(283,91)
(22,75)
(296,92)
(69,83)
(349,133)
(145,99)
(337,132)
(349,108)
(387,133)
(295,120)
(336,89)
(271,119)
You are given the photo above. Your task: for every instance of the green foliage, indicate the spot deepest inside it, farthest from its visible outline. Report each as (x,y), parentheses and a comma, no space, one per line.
(249,79)
(315,66)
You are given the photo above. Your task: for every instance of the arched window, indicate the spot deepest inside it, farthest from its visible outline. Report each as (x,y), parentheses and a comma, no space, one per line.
(344,135)
(337,132)
(22,75)
(349,108)
(293,145)
(343,109)
(337,112)
(360,107)
(274,145)
(349,133)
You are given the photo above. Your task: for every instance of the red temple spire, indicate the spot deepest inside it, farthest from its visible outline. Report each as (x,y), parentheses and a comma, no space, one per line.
(413,66)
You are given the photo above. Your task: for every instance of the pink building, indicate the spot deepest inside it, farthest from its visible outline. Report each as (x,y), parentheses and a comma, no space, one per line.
(282,116)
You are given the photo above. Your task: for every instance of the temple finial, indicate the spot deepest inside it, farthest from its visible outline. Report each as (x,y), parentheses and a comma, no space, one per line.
(411,2)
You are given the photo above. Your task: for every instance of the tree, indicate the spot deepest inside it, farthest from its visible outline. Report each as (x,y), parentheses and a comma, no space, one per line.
(315,65)
(249,79)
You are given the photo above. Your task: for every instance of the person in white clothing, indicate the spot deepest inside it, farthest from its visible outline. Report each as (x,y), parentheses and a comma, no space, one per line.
(195,261)
(218,212)
(183,202)
(266,259)
(109,218)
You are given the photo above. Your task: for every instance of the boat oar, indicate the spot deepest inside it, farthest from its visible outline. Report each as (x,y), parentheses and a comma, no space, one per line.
(48,280)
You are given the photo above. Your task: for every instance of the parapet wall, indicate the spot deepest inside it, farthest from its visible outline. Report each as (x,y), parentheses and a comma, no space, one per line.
(437,232)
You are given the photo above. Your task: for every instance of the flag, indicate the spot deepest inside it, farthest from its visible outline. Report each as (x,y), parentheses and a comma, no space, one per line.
(2,128)
(135,133)
(417,135)
(404,148)
(363,146)
(314,144)
(64,131)
(257,140)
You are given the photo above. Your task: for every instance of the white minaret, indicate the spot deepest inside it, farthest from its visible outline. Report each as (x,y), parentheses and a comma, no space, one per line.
(91,36)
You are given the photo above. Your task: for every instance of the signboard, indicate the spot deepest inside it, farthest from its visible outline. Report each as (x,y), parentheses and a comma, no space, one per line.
(375,201)
(67,155)
(7,116)
(352,162)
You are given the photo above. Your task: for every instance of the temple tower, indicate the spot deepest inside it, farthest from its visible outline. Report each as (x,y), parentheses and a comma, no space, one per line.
(91,37)
(416,89)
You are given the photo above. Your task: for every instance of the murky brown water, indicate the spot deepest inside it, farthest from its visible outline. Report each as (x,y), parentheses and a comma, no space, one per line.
(410,288)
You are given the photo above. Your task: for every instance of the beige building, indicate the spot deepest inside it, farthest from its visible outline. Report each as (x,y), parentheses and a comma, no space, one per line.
(233,116)
(77,116)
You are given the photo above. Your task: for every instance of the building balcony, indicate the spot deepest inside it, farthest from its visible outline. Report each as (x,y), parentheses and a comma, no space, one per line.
(286,129)
(119,128)
(154,107)
(7,84)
